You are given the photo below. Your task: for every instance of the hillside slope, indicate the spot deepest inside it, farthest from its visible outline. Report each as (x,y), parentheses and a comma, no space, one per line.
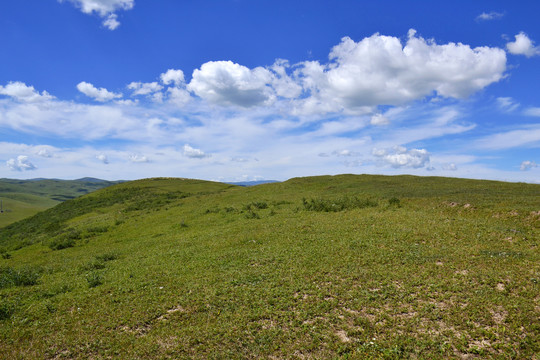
(23,198)
(322,267)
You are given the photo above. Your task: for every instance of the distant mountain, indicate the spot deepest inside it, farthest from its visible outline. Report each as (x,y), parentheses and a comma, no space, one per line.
(252,183)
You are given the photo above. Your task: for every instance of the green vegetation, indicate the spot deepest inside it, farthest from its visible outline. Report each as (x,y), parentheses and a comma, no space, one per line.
(24,198)
(351,267)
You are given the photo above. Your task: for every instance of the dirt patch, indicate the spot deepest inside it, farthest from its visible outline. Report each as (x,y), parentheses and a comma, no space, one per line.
(500,287)
(342,335)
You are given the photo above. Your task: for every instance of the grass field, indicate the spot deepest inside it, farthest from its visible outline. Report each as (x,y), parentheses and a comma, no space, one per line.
(23,198)
(351,267)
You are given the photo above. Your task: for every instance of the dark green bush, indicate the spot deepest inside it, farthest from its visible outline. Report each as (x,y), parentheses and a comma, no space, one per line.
(6,310)
(335,205)
(394,202)
(61,243)
(25,276)
(94,279)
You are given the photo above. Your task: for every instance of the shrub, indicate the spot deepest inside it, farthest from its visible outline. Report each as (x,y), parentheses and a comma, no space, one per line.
(107,256)
(94,279)
(259,205)
(61,243)
(25,276)
(335,205)
(6,310)
(394,202)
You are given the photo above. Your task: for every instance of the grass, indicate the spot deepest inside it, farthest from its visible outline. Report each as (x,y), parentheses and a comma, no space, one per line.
(24,198)
(408,267)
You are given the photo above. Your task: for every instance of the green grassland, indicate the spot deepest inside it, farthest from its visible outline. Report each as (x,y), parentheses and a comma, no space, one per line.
(350,267)
(23,198)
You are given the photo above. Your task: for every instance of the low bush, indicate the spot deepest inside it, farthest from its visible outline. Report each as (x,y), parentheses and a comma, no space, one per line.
(25,276)
(335,205)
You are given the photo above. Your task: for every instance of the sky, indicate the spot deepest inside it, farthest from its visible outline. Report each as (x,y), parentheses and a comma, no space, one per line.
(244,90)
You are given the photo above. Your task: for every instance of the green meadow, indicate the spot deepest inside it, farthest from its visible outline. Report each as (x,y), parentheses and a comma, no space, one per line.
(329,267)
(23,198)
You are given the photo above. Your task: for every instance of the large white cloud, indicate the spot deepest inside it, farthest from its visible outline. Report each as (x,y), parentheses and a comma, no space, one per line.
(24,93)
(523,46)
(20,163)
(194,153)
(401,157)
(379,70)
(100,94)
(105,9)
(228,83)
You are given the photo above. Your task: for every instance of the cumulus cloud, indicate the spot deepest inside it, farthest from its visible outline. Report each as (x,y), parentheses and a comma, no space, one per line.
(140,88)
(21,163)
(23,93)
(379,70)
(523,46)
(401,157)
(228,83)
(528,165)
(194,153)
(283,84)
(101,94)
(493,15)
(106,9)
(172,76)
(103,158)
(507,104)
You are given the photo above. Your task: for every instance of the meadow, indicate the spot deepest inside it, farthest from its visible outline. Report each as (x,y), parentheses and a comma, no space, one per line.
(328,267)
(23,198)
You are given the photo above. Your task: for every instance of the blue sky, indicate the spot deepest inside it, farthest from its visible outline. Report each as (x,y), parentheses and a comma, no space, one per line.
(233,90)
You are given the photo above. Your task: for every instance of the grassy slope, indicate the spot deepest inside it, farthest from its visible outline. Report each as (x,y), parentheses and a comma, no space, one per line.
(172,268)
(24,198)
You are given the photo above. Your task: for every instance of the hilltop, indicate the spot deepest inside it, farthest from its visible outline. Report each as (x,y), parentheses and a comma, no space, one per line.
(348,266)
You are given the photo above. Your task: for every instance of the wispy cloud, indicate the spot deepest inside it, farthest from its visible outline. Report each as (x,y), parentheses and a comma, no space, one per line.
(492,15)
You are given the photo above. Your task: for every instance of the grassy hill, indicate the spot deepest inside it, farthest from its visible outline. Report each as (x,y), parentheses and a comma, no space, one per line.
(23,198)
(350,267)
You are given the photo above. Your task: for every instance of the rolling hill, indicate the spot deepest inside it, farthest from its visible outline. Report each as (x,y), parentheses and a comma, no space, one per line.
(348,266)
(23,198)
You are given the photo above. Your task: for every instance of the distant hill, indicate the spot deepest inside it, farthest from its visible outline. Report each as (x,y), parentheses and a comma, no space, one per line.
(22,198)
(252,183)
(326,267)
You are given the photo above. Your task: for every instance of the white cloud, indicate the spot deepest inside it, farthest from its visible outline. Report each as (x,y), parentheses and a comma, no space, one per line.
(401,157)
(138,158)
(379,70)
(507,104)
(111,22)
(532,111)
(228,83)
(379,120)
(493,15)
(105,9)
(194,153)
(527,165)
(173,76)
(101,94)
(23,93)
(103,158)
(282,83)
(140,88)
(511,139)
(449,167)
(20,163)
(45,152)
(523,46)
(178,96)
